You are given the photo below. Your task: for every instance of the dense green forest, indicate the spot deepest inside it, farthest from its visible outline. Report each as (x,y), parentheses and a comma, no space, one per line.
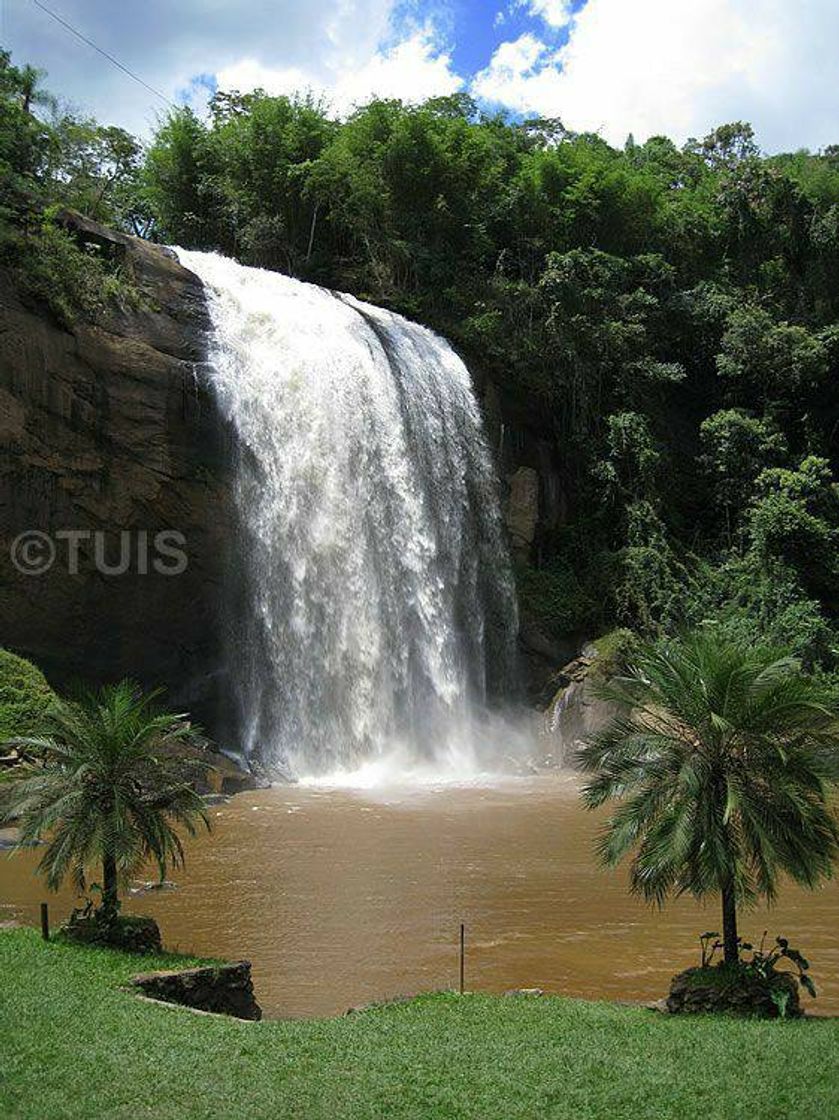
(668,317)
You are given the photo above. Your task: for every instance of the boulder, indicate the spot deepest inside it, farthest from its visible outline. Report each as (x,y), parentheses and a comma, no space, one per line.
(214,774)
(10,839)
(576,712)
(225,989)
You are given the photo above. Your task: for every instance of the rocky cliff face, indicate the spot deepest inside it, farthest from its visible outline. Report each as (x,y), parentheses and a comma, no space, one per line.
(534,504)
(108,438)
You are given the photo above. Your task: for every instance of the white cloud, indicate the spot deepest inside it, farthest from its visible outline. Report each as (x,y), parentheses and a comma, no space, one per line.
(513,62)
(521,75)
(346,48)
(412,68)
(655,66)
(556,13)
(641,66)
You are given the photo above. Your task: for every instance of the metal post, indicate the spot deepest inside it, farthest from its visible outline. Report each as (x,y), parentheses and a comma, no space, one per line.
(462,956)
(45,921)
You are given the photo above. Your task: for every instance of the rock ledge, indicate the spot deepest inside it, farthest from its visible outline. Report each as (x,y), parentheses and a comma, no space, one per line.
(225,989)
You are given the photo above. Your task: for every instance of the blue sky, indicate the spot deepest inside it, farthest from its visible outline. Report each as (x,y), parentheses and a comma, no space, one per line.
(476,34)
(677,67)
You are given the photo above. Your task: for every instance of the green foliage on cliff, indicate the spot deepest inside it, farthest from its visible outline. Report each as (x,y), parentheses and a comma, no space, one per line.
(49,160)
(74,280)
(661,324)
(24,695)
(615,652)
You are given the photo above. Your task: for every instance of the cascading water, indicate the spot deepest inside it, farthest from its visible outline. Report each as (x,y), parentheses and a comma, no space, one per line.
(378,604)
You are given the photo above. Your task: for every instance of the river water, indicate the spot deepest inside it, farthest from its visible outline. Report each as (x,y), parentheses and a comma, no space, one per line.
(340,897)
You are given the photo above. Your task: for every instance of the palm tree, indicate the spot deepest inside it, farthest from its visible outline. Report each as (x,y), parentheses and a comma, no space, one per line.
(721,758)
(112,789)
(30,91)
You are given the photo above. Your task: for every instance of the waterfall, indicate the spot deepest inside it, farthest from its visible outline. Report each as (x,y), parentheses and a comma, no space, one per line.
(378,609)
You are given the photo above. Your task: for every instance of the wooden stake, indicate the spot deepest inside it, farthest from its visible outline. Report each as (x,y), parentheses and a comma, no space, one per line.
(462,956)
(45,921)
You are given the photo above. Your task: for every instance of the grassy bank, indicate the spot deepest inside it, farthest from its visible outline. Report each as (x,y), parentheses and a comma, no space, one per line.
(72,1044)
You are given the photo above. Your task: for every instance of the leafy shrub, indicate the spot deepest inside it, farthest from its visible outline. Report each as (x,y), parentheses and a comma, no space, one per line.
(736,448)
(650,593)
(24,695)
(133,933)
(50,267)
(614,653)
(749,601)
(571,594)
(795,518)
(755,968)
(777,359)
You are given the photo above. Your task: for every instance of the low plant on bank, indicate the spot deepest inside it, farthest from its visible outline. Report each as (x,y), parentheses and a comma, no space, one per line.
(756,968)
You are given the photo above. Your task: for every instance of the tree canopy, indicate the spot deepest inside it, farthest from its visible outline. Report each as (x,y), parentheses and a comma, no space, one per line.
(664,319)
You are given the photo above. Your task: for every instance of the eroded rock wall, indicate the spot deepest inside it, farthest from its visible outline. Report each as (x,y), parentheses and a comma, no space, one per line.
(108,429)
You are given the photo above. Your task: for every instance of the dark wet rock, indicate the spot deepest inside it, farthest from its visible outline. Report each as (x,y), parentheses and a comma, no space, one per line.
(216,798)
(225,989)
(242,781)
(112,426)
(734,991)
(521,510)
(539,655)
(214,774)
(129,932)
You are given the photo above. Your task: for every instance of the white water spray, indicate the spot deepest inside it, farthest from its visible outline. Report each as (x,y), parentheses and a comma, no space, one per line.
(379,606)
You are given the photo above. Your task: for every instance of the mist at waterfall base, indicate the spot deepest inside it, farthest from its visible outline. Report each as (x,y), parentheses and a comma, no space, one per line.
(375,617)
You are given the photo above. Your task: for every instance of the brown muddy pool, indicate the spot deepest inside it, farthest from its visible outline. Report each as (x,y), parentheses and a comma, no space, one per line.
(342,897)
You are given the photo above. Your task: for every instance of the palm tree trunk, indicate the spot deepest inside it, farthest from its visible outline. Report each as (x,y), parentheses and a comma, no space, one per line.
(109,885)
(729,925)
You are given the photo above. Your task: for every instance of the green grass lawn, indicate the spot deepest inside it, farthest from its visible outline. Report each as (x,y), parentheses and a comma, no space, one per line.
(72,1044)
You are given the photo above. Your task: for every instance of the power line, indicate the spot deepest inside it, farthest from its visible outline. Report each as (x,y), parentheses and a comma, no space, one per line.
(104,53)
